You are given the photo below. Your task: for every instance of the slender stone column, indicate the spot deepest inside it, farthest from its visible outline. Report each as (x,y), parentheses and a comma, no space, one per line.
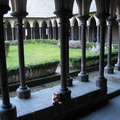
(49,33)
(98,34)
(13,34)
(117,65)
(83,76)
(72,32)
(55,33)
(109,68)
(79,33)
(23,91)
(101,81)
(7,110)
(40,32)
(88,33)
(59,33)
(69,78)
(64,18)
(32,33)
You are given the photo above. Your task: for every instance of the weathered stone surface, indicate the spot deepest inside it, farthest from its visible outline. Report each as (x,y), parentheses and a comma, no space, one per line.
(73,44)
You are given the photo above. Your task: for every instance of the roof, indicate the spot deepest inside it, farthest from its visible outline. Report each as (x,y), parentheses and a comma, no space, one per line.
(45,8)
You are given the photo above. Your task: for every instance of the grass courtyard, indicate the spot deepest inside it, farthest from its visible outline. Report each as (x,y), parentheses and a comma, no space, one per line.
(40,53)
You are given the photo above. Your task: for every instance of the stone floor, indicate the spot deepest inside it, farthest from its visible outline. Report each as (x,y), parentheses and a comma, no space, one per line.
(109,110)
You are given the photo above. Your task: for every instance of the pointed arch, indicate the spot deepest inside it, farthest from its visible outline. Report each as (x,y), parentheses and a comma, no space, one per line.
(8,31)
(27,30)
(43,30)
(74,30)
(93,29)
(55,30)
(36,30)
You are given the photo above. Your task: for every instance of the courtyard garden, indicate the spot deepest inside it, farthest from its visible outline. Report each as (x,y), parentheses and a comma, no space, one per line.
(42,57)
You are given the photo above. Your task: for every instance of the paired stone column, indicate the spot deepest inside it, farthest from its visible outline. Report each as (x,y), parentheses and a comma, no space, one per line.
(101,81)
(64,16)
(109,68)
(83,76)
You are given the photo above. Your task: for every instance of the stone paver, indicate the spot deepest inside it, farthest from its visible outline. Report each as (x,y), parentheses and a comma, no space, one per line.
(110,111)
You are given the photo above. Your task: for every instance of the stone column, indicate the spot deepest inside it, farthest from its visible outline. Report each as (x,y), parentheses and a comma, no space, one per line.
(98,34)
(40,31)
(7,110)
(55,33)
(64,19)
(72,32)
(117,65)
(88,33)
(101,81)
(23,92)
(83,76)
(49,33)
(79,33)
(109,68)
(13,33)
(32,33)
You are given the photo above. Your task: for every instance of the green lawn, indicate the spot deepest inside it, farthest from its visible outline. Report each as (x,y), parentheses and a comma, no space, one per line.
(40,53)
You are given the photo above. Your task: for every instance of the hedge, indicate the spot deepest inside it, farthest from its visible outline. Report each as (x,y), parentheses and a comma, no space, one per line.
(33,71)
(90,60)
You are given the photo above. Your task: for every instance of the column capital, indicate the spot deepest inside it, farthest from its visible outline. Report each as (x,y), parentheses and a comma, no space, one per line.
(63,13)
(118,20)
(110,20)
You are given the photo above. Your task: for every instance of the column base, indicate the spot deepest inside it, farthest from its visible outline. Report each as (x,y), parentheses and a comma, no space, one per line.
(83,77)
(23,93)
(69,81)
(65,95)
(109,70)
(117,67)
(101,82)
(8,113)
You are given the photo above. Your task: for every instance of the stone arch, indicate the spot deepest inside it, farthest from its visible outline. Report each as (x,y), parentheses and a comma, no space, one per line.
(27,30)
(43,30)
(8,31)
(36,30)
(74,30)
(49,30)
(92,29)
(55,29)
(115,34)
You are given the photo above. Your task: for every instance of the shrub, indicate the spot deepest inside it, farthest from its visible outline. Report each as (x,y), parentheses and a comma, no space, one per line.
(33,71)
(90,60)
(43,41)
(47,41)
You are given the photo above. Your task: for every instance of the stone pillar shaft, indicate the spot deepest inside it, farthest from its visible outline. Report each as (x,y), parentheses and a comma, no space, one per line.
(109,69)
(117,65)
(23,91)
(83,76)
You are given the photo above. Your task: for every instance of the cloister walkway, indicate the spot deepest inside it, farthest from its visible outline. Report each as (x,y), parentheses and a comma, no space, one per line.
(82,92)
(106,111)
